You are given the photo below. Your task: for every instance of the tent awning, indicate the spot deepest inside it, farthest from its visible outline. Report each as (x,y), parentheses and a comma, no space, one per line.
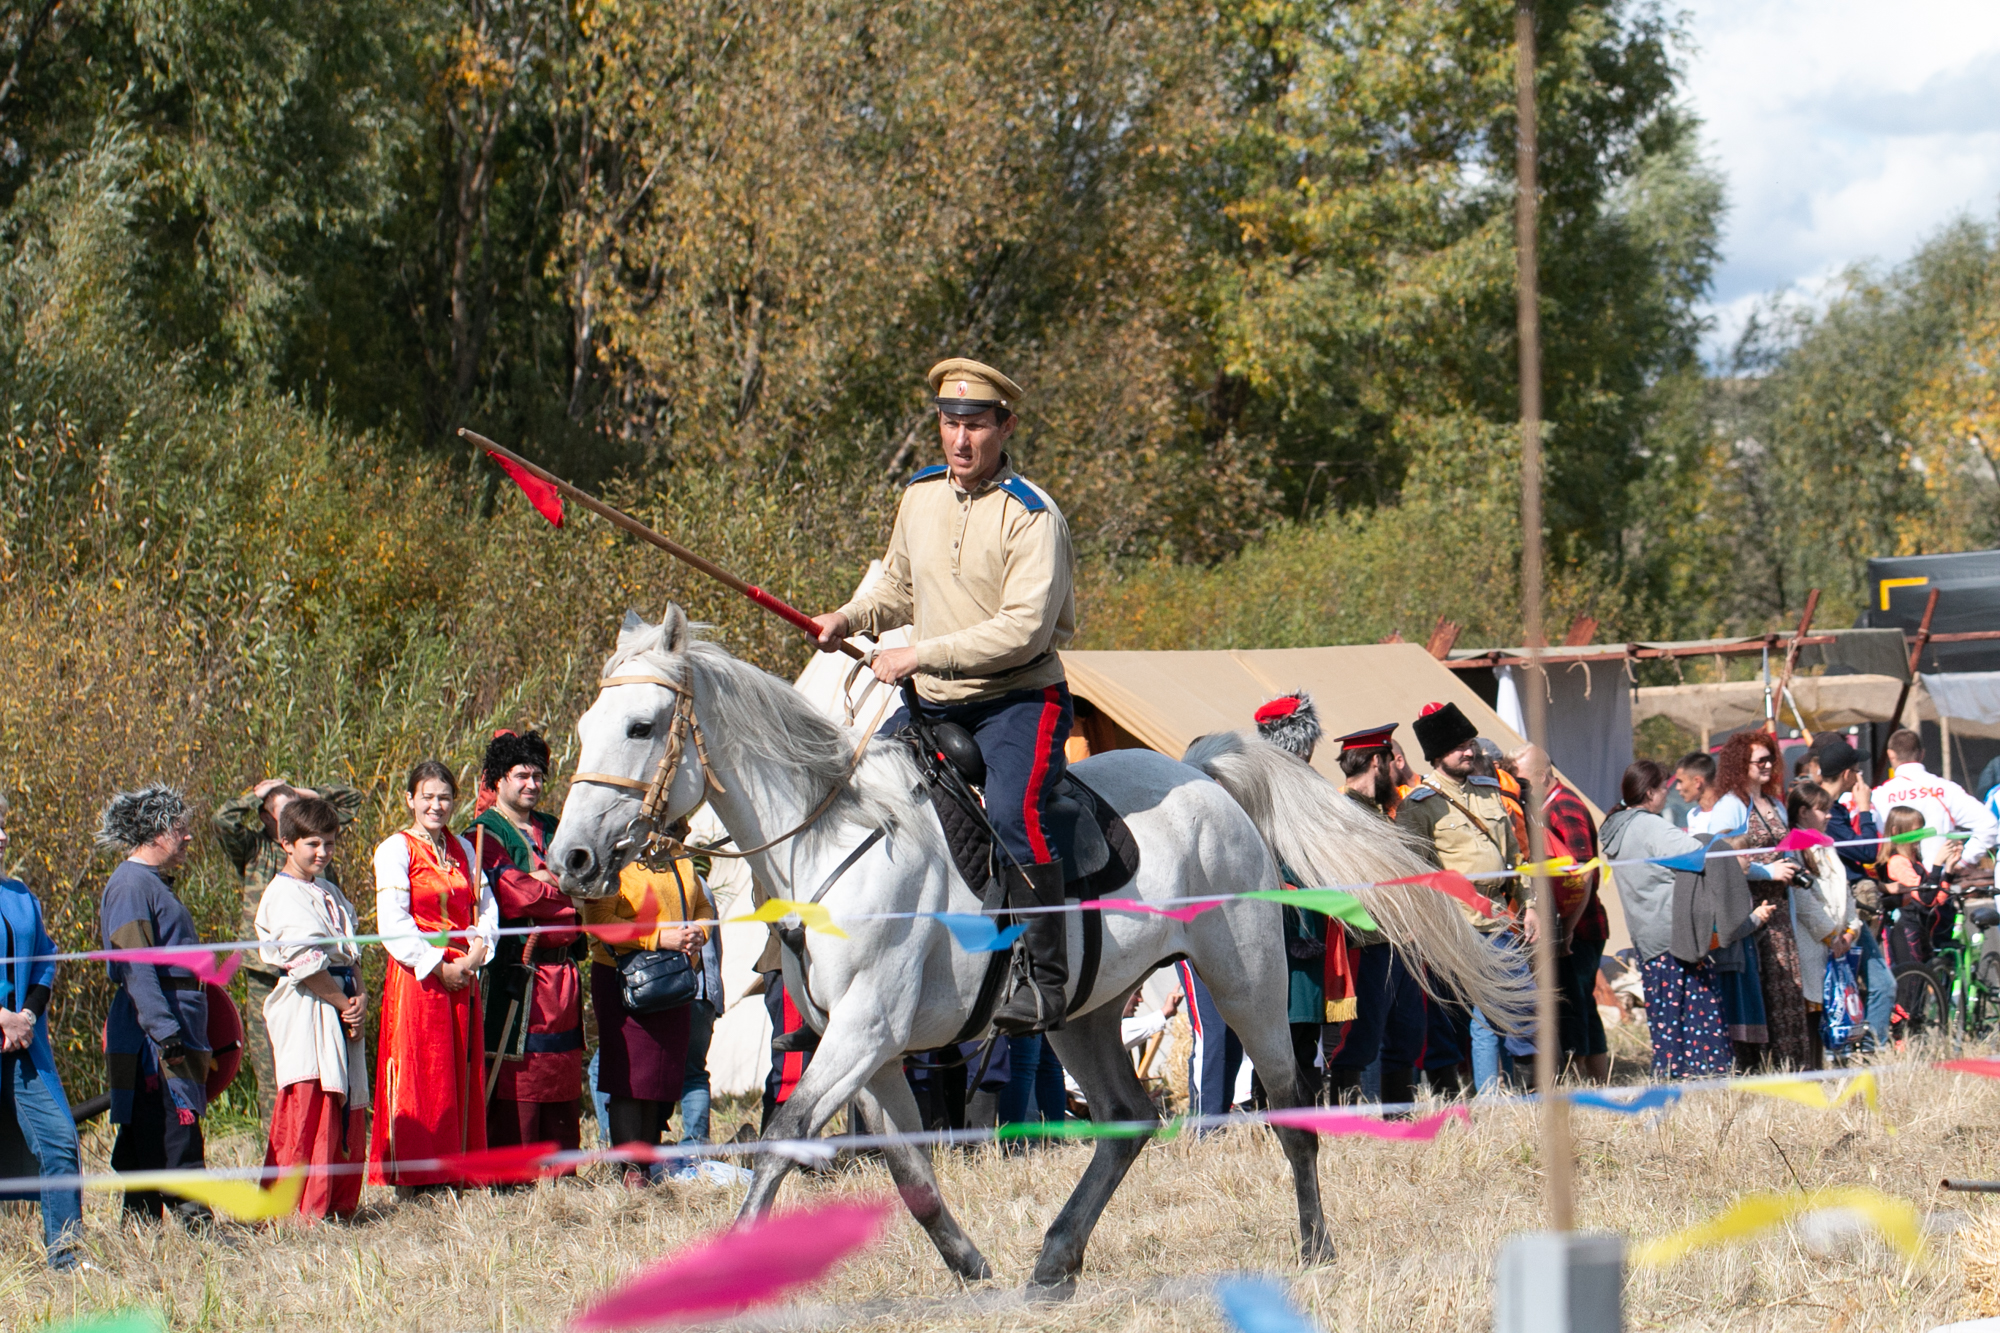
(1827,701)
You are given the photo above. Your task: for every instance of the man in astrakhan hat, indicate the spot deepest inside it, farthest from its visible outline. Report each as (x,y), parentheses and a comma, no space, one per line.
(980,566)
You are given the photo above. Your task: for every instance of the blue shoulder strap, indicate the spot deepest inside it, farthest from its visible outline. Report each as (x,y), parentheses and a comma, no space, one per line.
(1018,487)
(926,474)
(1419,793)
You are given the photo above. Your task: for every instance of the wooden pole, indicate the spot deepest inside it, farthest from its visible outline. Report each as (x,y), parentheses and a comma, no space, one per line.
(1792,655)
(1556,1162)
(1903,698)
(783,610)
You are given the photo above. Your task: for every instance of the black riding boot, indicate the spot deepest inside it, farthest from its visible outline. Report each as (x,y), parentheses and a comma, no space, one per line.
(1038,1005)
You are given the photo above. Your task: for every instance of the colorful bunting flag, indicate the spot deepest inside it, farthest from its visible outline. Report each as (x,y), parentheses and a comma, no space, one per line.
(1815,1092)
(1188,912)
(511,1165)
(1799,839)
(1555,865)
(1656,1100)
(242,1200)
(1260,1305)
(124,1321)
(979,934)
(1914,835)
(1087,1129)
(1333,1120)
(1454,885)
(1983,1068)
(546,499)
(813,916)
(739,1268)
(1337,903)
(1895,1219)
(201,962)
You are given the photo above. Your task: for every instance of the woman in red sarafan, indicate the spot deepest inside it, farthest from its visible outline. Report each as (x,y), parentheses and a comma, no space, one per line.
(439,918)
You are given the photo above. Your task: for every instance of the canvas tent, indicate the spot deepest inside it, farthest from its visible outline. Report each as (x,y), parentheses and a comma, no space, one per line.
(1163,700)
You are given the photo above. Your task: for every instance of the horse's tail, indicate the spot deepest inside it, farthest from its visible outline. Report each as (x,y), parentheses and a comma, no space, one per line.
(1328,839)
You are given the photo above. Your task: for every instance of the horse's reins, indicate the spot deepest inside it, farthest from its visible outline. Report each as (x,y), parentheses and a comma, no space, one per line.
(659,844)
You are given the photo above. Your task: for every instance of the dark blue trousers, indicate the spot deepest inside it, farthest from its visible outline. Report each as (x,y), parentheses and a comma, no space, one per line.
(1020,734)
(1218,1052)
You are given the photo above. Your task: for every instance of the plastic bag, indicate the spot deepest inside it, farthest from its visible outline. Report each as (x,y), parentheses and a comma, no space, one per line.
(1840,995)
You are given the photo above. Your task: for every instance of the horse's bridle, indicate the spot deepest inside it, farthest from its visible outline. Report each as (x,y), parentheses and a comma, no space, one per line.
(661,847)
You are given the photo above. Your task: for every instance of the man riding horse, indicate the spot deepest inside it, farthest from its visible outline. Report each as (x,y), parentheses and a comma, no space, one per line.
(980,566)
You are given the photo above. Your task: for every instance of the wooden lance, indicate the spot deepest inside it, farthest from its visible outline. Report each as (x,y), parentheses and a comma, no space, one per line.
(783,610)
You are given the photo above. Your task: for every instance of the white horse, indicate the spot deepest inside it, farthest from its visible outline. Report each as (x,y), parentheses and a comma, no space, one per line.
(1216,824)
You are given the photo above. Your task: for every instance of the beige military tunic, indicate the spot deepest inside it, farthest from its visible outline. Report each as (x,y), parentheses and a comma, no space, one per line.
(986,580)
(1447,816)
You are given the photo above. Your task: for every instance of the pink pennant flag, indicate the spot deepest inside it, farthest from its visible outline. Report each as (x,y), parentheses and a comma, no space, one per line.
(1330,1120)
(739,1268)
(1799,839)
(201,962)
(1187,913)
(1454,885)
(1983,1068)
(511,1165)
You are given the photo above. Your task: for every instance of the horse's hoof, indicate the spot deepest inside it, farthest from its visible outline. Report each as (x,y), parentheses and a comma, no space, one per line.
(1318,1250)
(1050,1292)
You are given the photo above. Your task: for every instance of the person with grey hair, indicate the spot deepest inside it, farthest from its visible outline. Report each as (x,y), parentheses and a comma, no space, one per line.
(156,1051)
(37,1134)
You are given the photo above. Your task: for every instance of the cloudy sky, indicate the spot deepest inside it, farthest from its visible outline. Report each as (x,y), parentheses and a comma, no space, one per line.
(1846,131)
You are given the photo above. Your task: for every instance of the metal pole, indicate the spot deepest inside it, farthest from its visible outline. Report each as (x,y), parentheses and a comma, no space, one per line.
(1556,1162)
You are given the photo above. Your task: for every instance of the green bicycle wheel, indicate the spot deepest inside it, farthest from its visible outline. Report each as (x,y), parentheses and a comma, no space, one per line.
(1921,1010)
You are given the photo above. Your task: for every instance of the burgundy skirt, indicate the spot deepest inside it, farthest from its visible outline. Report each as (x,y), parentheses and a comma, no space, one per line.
(638,1055)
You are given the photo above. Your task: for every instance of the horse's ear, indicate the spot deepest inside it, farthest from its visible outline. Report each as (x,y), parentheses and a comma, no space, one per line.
(674,631)
(633,632)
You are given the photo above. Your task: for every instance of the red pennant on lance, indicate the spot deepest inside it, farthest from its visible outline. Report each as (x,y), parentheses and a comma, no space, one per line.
(546,499)
(501,1166)
(1454,885)
(740,1268)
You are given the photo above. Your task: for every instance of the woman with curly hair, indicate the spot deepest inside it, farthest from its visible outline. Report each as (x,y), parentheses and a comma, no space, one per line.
(1750,812)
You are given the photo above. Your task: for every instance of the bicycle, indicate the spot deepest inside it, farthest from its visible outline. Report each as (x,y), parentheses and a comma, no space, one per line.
(1959,985)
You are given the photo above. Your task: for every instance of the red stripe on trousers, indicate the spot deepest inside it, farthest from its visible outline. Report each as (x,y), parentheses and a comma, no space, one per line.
(1045,734)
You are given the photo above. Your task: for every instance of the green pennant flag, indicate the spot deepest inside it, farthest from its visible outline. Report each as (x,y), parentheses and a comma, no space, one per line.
(1085,1129)
(1914,835)
(1337,903)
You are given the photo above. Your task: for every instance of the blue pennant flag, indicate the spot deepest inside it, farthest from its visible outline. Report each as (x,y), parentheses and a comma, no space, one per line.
(978,934)
(1649,1099)
(1259,1305)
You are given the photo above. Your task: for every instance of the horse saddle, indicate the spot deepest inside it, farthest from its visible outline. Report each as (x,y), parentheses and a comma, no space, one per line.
(1097,849)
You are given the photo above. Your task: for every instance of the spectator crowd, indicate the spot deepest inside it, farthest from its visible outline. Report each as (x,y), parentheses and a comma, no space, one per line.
(1752,950)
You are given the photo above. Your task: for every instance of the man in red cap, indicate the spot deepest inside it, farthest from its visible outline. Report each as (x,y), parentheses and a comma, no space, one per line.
(1367,991)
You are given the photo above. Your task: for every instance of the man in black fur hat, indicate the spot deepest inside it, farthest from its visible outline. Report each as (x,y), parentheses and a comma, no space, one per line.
(1461,821)
(534,1005)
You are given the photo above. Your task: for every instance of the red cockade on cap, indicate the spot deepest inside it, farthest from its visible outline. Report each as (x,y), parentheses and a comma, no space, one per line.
(1278,708)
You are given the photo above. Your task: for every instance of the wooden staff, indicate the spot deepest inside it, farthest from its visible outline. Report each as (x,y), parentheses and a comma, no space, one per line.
(783,610)
(1903,698)
(1792,655)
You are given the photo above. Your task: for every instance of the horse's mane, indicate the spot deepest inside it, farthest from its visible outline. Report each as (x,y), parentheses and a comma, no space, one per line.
(752,714)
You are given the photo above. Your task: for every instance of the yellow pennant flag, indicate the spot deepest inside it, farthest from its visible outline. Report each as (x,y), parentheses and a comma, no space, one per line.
(813,916)
(1555,865)
(242,1200)
(1816,1092)
(1896,1220)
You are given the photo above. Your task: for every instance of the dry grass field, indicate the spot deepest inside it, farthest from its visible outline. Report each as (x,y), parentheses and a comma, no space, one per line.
(1418,1226)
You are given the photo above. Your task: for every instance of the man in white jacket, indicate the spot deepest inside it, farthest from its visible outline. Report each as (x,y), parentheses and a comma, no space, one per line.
(1945,805)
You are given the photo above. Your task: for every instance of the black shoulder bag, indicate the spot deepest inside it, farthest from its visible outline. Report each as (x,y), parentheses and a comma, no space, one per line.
(652,981)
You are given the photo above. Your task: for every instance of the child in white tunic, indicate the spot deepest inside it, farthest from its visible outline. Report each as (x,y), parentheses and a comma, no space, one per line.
(314,1016)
